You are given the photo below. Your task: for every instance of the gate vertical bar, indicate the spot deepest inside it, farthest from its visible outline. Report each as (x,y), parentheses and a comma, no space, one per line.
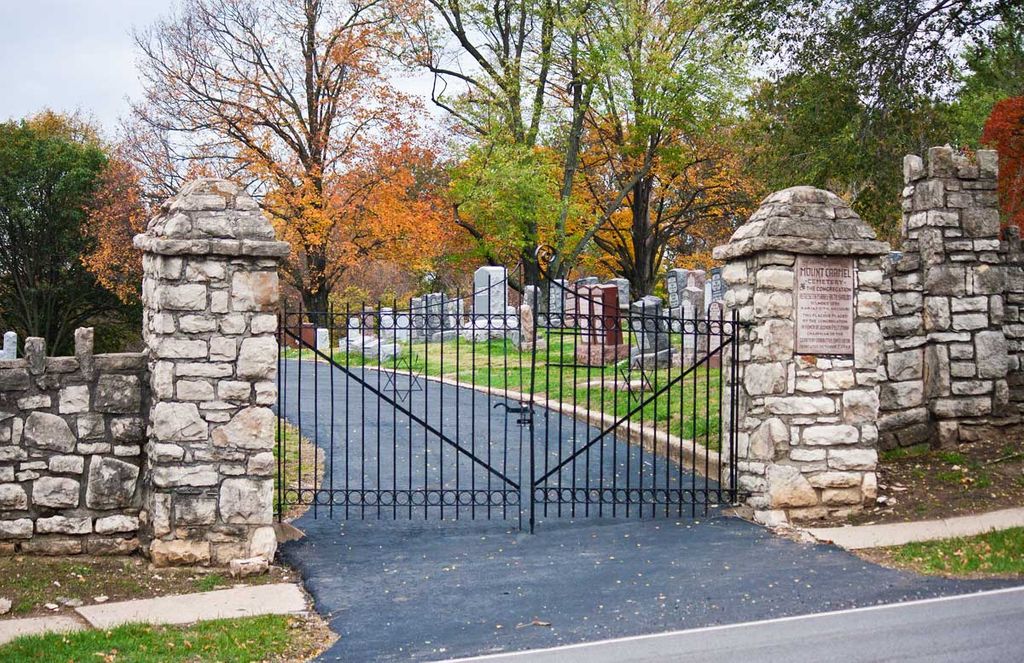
(316,415)
(330,452)
(282,398)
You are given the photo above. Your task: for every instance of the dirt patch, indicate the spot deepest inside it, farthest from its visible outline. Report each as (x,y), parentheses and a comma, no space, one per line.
(49,586)
(919,483)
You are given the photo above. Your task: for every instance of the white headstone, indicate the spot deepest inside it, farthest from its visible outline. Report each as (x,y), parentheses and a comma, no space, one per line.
(531,296)
(490,288)
(10,350)
(323,339)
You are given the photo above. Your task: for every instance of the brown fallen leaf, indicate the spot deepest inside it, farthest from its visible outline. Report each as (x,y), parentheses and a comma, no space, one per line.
(535,622)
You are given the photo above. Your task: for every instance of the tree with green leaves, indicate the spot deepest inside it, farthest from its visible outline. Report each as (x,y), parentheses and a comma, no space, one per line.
(654,144)
(856,84)
(50,167)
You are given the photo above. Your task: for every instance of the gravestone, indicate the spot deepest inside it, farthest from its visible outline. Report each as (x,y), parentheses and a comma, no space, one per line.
(492,316)
(651,334)
(528,340)
(557,292)
(599,325)
(571,305)
(490,291)
(531,296)
(686,293)
(323,340)
(361,340)
(10,350)
(715,291)
(622,286)
(675,283)
(441,316)
(417,318)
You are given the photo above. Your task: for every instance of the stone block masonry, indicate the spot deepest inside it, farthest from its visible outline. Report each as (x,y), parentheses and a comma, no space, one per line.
(938,342)
(807,422)
(169,450)
(72,431)
(210,293)
(952,335)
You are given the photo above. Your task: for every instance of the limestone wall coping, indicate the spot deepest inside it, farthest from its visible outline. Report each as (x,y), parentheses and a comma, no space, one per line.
(803,219)
(844,247)
(223,247)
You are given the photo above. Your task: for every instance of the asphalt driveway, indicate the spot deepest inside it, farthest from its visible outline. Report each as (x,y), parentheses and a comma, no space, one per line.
(413,589)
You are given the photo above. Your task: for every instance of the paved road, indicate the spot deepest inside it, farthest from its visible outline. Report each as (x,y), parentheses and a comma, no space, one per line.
(423,589)
(985,626)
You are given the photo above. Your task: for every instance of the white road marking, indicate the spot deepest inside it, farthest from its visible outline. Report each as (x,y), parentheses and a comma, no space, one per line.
(723,627)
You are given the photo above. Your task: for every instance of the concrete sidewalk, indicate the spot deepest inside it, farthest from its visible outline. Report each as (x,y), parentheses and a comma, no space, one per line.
(896,534)
(247,601)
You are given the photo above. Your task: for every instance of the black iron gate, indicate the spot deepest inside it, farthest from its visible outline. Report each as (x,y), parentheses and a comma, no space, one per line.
(453,407)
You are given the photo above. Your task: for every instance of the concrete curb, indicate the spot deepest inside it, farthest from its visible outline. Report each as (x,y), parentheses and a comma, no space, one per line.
(16,628)
(858,537)
(248,601)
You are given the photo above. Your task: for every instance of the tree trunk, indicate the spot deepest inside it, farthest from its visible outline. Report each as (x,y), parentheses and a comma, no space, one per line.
(316,292)
(643,276)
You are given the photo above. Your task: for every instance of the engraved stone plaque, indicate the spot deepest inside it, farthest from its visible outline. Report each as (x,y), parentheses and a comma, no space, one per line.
(824,305)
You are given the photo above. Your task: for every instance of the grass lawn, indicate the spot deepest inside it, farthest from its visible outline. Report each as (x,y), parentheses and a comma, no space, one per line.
(991,554)
(688,409)
(269,638)
(33,582)
(293,448)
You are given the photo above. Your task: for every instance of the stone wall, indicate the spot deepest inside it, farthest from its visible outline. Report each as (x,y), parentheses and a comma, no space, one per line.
(947,355)
(1013,318)
(71,436)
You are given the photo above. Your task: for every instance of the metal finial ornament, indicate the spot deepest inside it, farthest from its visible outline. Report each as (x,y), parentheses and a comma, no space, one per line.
(545,255)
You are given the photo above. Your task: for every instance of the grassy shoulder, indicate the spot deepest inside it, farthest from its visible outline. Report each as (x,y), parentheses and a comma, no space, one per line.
(992,554)
(269,638)
(55,585)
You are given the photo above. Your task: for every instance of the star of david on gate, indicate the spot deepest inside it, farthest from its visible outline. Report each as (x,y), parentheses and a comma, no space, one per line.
(626,371)
(390,381)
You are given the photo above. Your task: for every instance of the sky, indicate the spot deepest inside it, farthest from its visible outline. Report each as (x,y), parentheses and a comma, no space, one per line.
(71,55)
(78,55)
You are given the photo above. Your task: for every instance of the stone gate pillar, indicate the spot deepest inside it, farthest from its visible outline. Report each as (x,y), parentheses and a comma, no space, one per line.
(210,292)
(804,273)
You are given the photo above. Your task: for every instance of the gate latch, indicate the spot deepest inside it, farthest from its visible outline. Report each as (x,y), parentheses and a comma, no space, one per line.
(521,408)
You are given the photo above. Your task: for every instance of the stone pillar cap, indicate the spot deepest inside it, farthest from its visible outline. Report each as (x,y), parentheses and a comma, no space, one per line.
(803,219)
(211,216)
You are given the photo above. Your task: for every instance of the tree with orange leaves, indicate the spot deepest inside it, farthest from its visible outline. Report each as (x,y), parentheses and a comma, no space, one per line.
(293,96)
(1004,131)
(696,198)
(117,212)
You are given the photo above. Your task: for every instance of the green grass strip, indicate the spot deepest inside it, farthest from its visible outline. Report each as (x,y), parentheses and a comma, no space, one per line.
(994,553)
(245,639)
